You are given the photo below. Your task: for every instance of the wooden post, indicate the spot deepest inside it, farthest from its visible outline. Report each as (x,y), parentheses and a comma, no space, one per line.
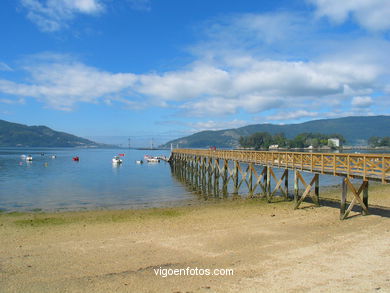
(216,177)
(209,177)
(296,186)
(236,178)
(317,189)
(268,185)
(286,182)
(343,203)
(204,176)
(250,184)
(365,199)
(224,178)
(265,180)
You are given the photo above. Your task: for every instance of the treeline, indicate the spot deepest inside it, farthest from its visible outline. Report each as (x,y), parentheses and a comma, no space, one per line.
(263,140)
(376,141)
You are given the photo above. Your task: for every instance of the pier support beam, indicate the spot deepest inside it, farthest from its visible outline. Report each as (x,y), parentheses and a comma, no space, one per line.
(260,180)
(236,167)
(225,179)
(216,177)
(356,198)
(278,184)
(308,187)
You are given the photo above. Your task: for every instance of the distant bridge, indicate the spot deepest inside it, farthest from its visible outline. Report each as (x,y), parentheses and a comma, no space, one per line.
(205,169)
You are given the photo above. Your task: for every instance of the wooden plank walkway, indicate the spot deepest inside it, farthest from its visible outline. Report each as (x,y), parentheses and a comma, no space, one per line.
(375,167)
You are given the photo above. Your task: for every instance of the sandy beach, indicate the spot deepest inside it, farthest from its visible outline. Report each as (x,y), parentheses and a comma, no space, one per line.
(268,247)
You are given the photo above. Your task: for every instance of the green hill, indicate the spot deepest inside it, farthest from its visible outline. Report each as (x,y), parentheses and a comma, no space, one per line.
(19,135)
(356,130)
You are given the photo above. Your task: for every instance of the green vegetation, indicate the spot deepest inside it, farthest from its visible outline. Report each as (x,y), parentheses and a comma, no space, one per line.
(89,217)
(355,130)
(376,141)
(14,135)
(263,140)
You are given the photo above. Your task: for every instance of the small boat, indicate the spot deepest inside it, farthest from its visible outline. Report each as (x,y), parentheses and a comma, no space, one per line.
(29,158)
(53,156)
(23,157)
(76,159)
(121,155)
(153,160)
(139,162)
(116,160)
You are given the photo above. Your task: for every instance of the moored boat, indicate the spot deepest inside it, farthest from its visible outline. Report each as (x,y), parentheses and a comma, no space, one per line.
(153,160)
(116,160)
(29,158)
(76,159)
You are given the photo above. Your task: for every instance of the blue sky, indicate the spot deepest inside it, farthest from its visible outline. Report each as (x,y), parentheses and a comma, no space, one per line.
(110,69)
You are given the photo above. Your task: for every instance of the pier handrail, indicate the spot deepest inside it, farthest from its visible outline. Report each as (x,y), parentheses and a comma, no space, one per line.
(366,166)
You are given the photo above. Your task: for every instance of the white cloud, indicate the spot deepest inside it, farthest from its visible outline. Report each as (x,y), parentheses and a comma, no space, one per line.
(292,115)
(200,90)
(182,85)
(370,14)
(12,101)
(362,102)
(62,85)
(141,5)
(216,125)
(53,15)
(4,67)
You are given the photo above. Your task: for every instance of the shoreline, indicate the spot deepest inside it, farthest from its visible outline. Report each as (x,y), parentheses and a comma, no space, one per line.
(270,246)
(327,192)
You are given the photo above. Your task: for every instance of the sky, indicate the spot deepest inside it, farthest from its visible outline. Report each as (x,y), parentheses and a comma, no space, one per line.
(152,69)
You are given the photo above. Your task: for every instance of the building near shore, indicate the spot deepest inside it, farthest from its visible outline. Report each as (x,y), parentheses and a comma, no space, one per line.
(333,142)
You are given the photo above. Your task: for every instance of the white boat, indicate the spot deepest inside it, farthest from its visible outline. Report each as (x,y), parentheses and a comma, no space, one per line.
(29,158)
(116,160)
(23,157)
(153,160)
(53,156)
(139,162)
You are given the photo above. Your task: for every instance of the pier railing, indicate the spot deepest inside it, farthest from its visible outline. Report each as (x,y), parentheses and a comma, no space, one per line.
(365,166)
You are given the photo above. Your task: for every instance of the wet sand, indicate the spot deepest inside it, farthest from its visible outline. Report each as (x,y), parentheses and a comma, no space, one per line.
(270,247)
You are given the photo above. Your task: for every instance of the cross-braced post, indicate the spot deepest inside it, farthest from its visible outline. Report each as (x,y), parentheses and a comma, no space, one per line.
(363,202)
(308,187)
(260,180)
(278,184)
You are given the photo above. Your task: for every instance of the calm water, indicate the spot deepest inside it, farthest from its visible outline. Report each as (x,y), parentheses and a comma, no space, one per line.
(93,182)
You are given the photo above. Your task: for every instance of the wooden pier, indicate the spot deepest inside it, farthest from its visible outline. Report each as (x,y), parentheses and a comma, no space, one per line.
(212,171)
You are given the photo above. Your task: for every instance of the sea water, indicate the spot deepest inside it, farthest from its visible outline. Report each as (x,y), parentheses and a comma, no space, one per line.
(94,182)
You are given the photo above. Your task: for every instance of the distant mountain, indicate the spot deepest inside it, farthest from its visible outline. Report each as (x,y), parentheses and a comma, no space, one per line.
(356,130)
(15,135)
